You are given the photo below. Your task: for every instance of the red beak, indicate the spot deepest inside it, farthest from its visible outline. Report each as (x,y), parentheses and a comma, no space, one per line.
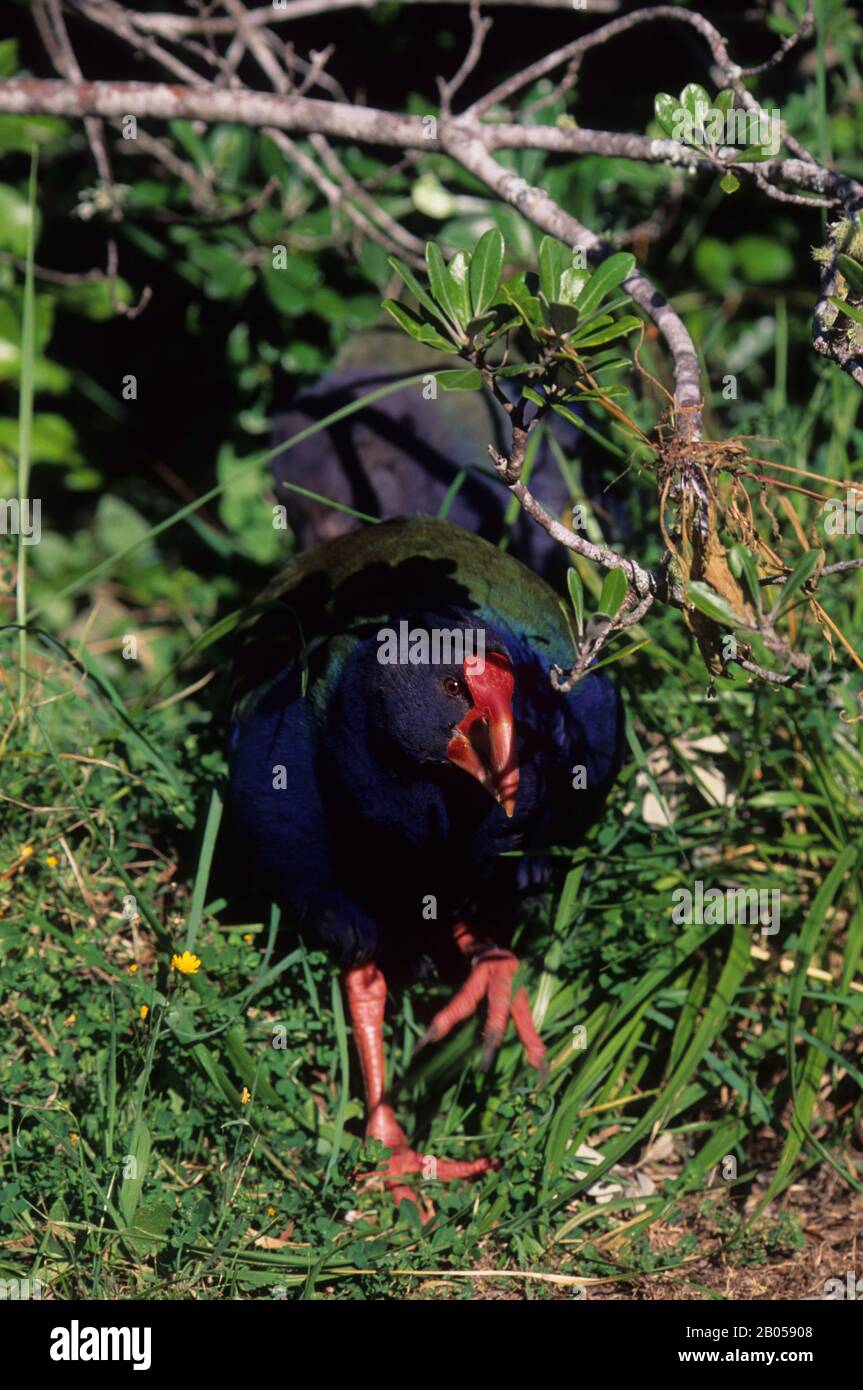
(483,744)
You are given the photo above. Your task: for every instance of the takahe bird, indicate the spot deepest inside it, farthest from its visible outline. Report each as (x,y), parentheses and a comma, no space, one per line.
(395,734)
(401,454)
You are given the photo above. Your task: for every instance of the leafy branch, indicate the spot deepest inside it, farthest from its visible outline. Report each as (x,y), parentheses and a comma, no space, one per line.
(548,335)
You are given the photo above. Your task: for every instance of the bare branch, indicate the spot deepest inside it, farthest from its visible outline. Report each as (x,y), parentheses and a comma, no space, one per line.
(257,45)
(171,26)
(335,195)
(341,120)
(479,30)
(49,20)
(398,235)
(117,20)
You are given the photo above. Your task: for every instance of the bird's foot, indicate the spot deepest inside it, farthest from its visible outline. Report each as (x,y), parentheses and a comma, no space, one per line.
(492,973)
(404,1161)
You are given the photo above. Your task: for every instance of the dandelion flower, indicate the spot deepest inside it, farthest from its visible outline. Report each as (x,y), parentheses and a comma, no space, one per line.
(25,852)
(271,1211)
(73,1018)
(187,964)
(52,861)
(144,1010)
(73,1138)
(248,936)
(246,1096)
(133,969)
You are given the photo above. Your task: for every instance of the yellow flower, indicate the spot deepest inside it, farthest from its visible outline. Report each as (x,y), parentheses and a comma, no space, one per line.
(73,1018)
(187,964)
(246,1096)
(144,1010)
(133,969)
(52,861)
(73,1138)
(271,1211)
(248,936)
(25,852)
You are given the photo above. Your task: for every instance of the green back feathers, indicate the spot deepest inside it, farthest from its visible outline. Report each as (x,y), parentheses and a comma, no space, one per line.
(351,586)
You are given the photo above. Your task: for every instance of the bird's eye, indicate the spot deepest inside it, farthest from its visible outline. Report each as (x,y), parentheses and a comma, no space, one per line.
(451,685)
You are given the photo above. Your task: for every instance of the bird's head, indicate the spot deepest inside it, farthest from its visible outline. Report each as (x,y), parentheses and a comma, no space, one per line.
(455,712)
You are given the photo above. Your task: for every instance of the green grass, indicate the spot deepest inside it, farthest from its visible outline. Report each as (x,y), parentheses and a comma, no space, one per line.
(132,1165)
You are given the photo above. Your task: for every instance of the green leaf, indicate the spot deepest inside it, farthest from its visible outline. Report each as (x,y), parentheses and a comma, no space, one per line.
(762,259)
(729,183)
(667,109)
(460,379)
(853,313)
(119,525)
(853,272)
(554,259)
(420,295)
(93,298)
(576,594)
(563,318)
(614,589)
(725,100)
(743,565)
(15,217)
(226,275)
(475,327)
(151,1225)
(802,571)
(714,261)
(284,293)
(485,270)
(518,369)
(527,304)
(713,605)
(605,311)
(696,104)
(8,57)
(420,332)
(569,415)
(137,1159)
(230,151)
(23,132)
(458,271)
(572,282)
(52,440)
(441,284)
(604,279)
(606,334)
(754,154)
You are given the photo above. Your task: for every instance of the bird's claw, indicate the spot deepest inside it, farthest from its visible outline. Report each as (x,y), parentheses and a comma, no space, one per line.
(492,974)
(403,1161)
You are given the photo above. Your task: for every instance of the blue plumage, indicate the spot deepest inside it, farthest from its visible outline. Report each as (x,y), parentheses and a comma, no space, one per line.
(342,791)
(380,800)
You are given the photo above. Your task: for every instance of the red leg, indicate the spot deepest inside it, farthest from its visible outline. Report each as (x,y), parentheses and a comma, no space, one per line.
(491,977)
(367,996)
